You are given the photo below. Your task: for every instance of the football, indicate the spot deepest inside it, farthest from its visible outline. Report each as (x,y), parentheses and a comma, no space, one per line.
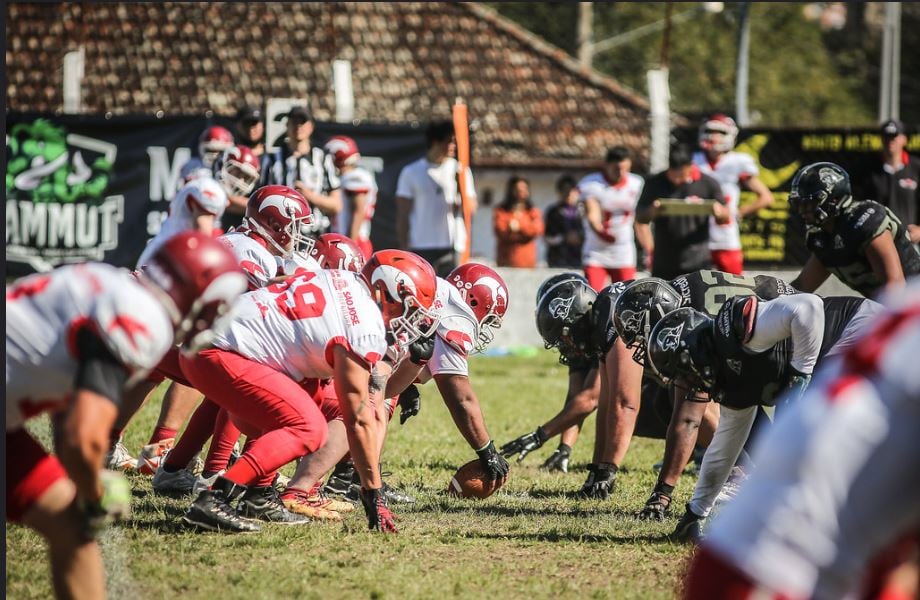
(470,482)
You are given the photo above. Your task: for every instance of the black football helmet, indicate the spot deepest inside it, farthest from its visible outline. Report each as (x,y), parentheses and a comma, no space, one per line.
(639,308)
(819,192)
(681,346)
(603,331)
(564,319)
(555,279)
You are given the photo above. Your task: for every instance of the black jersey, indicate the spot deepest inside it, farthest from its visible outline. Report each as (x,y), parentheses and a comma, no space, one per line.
(603,333)
(745,379)
(842,251)
(707,291)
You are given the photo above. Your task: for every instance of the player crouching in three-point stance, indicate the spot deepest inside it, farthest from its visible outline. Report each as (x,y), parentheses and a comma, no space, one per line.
(835,489)
(313,326)
(75,338)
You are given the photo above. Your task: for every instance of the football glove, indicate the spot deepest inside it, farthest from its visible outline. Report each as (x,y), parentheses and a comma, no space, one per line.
(379,517)
(525,444)
(114,505)
(558,460)
(656,507)
(420,350)
(600,482)
(409,404)
(493,463)
(798,383)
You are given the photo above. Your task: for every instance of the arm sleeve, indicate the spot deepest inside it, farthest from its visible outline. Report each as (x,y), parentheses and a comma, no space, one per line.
(801,317)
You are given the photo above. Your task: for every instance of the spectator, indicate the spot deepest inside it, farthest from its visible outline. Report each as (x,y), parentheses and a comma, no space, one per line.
(250,129)
(565,233)
(610,197)
(680,243)
(429,212)
(733,170)
(893,182)
(517,224)
(305,168)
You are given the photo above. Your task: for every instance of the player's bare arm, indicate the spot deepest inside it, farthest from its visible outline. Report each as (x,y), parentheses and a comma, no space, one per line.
(464,408)
(812,275)
(352,387)
(764,197)
(84,441)
(595,220)
(582,404)
(618,407)
(883,256)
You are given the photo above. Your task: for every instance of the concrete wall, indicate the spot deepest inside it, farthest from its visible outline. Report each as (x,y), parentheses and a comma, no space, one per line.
(519,328)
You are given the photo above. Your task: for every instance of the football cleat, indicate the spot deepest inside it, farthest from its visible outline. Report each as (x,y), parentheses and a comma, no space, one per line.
(690,527)
(314,506)
(211,511)
(119,459)
(339,482)
(151,455)
(203,483)
(177,482)
(265,504)
(394,495)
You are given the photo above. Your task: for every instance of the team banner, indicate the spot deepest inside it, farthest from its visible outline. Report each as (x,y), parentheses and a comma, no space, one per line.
(774,237)
(84,188)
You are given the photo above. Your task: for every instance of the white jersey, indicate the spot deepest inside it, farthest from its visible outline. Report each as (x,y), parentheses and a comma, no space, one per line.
(832,486)
(193,169)
(618,214)
(730,171)
(456,336)
(44,312)
(436,220)
(357,181)
(260,264)
(213,200)
(293,326)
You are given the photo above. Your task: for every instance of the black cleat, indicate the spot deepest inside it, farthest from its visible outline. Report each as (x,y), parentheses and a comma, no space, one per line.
(690,528)
(339,483)
(264,503)
(395,495)
(211,510)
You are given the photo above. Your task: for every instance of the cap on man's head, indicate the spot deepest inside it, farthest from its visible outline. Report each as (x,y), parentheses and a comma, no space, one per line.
(300,113)
(893,127)
(249,114)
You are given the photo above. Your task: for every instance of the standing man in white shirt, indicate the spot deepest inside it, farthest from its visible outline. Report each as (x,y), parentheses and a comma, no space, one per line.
(429,211)
(610,197)
(733,170)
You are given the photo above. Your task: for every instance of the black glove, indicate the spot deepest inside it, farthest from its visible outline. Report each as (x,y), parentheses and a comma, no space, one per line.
(558,460)
(420,350)
(495,466)
(657,506)
(409,404)
(525,444)
(600,482)
(798,383)
(379,517)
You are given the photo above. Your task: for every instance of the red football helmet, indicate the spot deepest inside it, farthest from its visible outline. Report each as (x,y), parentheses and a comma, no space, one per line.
(237,169)
(212,142)
(403,285)
(718,133)
(336,251)
(343,149)
(197,279)
(486,293)
(279,215)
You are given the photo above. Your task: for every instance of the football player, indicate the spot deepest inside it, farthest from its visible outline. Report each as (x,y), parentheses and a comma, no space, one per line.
(211,143)
(747,356)
(833,488)
(359,190)
(238,170)
(637,310)
(270,246)
(471,303)
(861,242)
(316,325)
(75,338)
(733,171)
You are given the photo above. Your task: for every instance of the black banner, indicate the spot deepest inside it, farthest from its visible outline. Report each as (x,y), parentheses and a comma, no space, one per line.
(90,188)
(773,238)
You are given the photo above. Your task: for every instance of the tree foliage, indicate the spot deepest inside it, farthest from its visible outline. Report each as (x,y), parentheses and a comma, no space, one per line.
(799,75)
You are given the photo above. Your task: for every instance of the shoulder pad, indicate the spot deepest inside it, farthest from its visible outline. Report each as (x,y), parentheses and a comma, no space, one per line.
(734,325)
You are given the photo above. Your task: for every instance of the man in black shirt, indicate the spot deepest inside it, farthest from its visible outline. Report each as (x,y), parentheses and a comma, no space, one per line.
(681,244)
(893,182)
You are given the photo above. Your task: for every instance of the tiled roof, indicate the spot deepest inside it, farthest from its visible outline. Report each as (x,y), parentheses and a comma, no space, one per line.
(535,105)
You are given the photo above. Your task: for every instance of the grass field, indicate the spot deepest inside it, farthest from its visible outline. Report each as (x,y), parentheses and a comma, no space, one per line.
(527,541)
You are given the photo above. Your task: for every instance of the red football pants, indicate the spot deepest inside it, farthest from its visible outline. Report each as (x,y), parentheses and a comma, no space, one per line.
(597,276)
(279,418)
(729,261)
(30,471)
(713,578)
